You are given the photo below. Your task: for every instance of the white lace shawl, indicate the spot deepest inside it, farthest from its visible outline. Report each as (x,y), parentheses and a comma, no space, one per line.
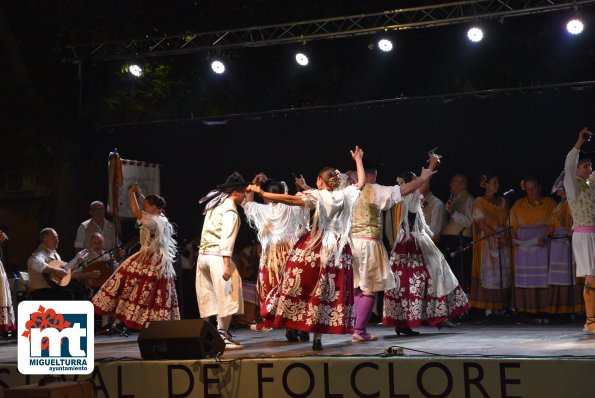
(276,223)
(332,220)
(443,279)
(159,243)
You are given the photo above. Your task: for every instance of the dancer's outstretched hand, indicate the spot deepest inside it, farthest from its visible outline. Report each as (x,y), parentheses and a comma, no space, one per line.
(434,161)
(426,174)
(357,153)
(254,188)
(585,135)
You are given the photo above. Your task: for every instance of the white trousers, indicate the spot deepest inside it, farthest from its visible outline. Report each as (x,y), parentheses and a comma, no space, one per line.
(216,296)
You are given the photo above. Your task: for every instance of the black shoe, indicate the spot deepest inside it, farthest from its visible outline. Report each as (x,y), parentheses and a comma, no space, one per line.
(291,335)
(447,324)
(317,345)
(406,331)
(304,337)
(121,329)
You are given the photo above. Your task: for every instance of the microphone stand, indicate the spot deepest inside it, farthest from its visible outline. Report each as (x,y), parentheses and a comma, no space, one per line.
(493,318)
(466,288)
(502,317)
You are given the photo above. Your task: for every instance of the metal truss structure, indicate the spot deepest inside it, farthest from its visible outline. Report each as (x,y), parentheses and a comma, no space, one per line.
(331,28)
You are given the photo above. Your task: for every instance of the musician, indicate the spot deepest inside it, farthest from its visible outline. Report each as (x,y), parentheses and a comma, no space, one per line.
(457,231)
(433,209)
(40,271)
(97,223)
(97,249)
(98,254)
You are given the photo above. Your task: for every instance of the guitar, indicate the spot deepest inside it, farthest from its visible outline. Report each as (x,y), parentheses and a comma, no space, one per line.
(56,281)
(105,267)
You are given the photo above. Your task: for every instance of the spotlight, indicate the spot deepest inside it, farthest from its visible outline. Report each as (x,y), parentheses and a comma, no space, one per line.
(575,26)
(475,34)
(385,45)
(301,59)
(218,67)
(135,70)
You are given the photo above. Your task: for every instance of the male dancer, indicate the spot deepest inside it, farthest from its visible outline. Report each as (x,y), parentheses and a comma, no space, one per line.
(218,283)
(371,273)
(580,191)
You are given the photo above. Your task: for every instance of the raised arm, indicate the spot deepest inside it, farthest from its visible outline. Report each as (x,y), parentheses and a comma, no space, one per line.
(132,191)
(583,136)
(425,175)
(300,183)
(290,200)
(571,163)
(259,179)
(357,154)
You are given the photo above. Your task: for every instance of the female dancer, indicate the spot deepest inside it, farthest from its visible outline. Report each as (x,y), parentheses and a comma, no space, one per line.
(315,293)
(278,226)
(7,323)
(491,271)
(142,288)
(427,292)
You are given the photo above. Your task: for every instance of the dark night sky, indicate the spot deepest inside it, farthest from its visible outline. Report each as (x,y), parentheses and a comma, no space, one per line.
(509,134)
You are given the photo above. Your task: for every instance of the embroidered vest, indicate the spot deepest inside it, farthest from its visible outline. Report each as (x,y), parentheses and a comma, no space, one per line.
(367,218)
(211,229)
(583,206)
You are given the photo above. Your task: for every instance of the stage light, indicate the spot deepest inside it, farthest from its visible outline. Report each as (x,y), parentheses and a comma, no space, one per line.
(475,34)
(575,26)
(301,59)
(135,70)
(218,67)
(385,45)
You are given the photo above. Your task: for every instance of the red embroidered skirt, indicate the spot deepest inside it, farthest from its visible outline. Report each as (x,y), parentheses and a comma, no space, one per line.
(311,296)
(413,303)
(267,277)
(136,294)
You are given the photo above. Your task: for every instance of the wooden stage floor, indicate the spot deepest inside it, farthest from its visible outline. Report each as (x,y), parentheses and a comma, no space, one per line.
(566,340)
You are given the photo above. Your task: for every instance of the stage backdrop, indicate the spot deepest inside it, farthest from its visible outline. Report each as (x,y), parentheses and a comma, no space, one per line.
(146,175)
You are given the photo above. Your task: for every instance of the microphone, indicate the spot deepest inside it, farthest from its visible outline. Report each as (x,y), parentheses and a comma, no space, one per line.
(509,192)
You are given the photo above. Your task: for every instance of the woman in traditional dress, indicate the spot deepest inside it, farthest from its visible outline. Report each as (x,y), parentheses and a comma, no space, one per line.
(7,323)
(564,293)
(426,292)
(142,288)
(530,217)
(278,227)
(491,270)
(579,184)
(315,293)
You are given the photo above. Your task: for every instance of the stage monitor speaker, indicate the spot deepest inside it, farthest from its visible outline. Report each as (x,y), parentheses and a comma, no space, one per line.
(183,339)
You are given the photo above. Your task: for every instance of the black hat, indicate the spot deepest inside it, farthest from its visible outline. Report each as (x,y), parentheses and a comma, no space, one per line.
(233,181)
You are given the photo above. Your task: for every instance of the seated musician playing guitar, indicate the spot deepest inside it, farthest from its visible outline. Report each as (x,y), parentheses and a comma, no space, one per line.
(48,275)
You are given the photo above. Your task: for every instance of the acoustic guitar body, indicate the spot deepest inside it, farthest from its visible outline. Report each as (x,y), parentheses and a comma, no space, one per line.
(105,272)
(60,281)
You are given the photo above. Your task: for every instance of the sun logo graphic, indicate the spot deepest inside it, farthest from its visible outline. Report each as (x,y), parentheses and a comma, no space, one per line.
(56,337)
